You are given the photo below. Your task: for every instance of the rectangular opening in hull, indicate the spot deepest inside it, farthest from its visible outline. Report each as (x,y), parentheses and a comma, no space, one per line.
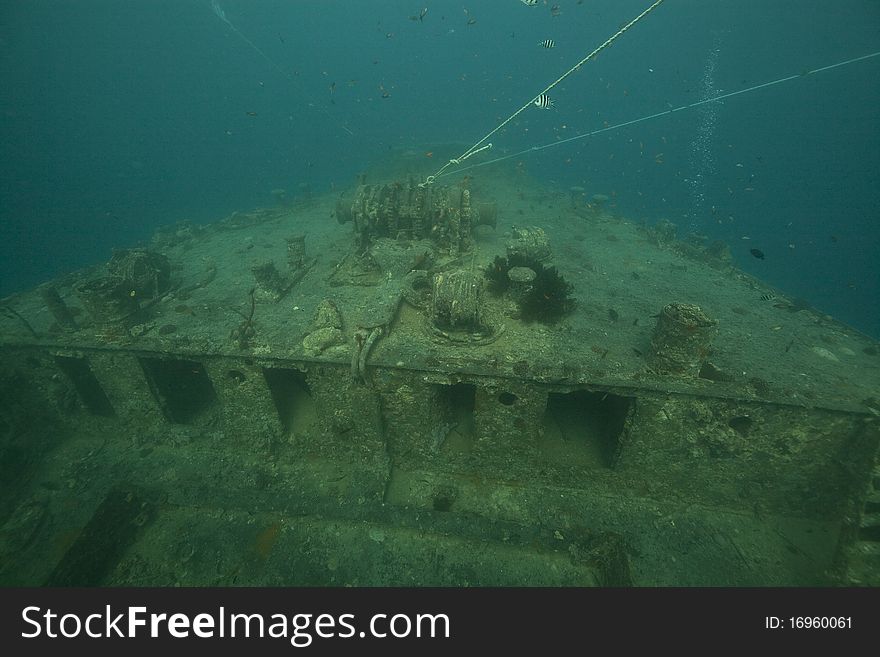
(87,386)
(455,430)
(182,388)
(584,427)
(293,399)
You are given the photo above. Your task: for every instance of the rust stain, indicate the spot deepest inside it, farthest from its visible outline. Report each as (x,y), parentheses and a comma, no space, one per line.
(266,539)
(64,540)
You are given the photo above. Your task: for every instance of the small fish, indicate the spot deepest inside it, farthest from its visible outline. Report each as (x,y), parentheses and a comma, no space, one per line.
(251,113)
(429,153)
(758,253)
(547,43)
(530,3)
(423,13)
(544,101)
(420,261)
(767,297)
(555,11)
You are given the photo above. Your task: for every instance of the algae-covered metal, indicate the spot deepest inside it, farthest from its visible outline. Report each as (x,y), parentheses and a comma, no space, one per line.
(377,413)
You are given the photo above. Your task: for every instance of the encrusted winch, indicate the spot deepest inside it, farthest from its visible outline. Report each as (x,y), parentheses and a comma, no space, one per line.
(406,211)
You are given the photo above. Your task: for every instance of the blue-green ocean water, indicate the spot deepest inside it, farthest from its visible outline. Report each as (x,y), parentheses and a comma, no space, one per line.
(117,116)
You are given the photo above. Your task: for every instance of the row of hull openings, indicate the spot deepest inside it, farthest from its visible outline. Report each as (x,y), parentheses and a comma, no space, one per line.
(590,423)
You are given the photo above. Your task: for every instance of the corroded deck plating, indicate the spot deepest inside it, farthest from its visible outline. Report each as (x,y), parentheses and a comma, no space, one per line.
(539,454)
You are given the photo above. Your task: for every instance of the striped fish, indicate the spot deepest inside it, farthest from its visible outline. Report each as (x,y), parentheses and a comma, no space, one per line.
(530,3)
(768,297)
(547,43)
(544,101)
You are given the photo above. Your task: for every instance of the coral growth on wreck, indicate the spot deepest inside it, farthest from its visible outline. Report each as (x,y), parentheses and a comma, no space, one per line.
(549,298)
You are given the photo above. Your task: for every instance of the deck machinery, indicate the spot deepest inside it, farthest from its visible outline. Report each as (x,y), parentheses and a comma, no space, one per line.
(332,391)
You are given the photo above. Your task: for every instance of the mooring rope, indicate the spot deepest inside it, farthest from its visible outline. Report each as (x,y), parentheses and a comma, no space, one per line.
(477,147)
(666,112)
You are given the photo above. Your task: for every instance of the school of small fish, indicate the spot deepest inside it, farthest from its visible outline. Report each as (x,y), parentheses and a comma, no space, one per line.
(543,101)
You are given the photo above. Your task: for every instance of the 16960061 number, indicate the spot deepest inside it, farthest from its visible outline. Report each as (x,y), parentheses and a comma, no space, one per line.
(820,622)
